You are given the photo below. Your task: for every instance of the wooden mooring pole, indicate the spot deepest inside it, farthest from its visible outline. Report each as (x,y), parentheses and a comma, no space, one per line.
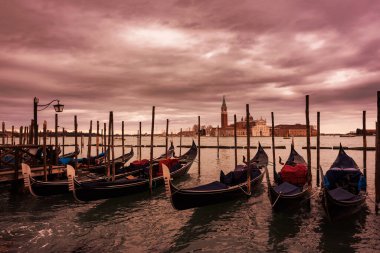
(63,140)
(166,137)
(217,142)
(151,151)
(104,146)
(273,145)
(122,140)
(3,130)
(89,145)
(308,142)
(248,150)
(318,146)
(180,143)
(56,138)
(20,136)
(377,171)
(113,148)
(109,145)
(76,141)
(13,136)
(97,137)
(235,141)
(44,149)
(365,145)
(199,145)
(140,142)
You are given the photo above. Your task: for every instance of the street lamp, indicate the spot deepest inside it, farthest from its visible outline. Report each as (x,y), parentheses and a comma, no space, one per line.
(57,107)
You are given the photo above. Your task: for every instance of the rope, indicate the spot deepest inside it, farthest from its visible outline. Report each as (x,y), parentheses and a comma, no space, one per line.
(279,195)
(245,192)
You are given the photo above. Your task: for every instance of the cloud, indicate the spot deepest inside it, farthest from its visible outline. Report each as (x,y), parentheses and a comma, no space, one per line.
(183,56)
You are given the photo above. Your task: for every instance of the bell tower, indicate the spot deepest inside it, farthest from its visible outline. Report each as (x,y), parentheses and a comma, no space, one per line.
(224,114)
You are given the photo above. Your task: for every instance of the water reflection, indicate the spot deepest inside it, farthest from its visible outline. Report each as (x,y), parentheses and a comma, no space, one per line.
(341,236)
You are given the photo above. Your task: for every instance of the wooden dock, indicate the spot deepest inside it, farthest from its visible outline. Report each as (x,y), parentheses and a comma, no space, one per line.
(8,175)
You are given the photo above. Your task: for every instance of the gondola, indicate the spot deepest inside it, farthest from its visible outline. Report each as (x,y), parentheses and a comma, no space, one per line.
(136,182)
(290,188)
(229,187)
(42,188)
(343,187)
(119,163)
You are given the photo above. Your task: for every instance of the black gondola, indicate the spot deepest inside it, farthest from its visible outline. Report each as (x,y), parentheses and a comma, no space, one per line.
(288,193)
(119,163)
(344,187)
(137,182)
(41,188)
(231,186)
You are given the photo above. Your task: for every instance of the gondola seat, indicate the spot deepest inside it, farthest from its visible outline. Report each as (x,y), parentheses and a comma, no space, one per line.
(287,188)
(341,194)
(216,185)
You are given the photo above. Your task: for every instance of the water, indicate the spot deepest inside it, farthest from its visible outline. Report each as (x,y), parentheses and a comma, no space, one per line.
(141,222)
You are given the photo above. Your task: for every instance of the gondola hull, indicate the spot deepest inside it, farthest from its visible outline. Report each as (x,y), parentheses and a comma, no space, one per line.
(281,202)
(184,199)
(118,188)
(337,210)
(83,193)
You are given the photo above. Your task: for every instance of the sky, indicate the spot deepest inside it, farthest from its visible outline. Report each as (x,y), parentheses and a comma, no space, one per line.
(182,56)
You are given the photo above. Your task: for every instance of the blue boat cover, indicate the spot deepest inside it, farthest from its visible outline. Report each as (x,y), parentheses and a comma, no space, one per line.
(287,189)
(216,185)
(344,173)
(341,194)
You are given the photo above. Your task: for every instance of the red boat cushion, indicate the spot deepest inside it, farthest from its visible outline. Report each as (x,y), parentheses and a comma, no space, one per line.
(170,163)
(140,163)
(296,175)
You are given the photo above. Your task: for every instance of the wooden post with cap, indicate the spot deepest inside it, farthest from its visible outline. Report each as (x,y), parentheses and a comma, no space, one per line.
(217,142)
(89,145)
(199,145)
(166,138)
(180,143)
(273,145)
(151,151)
(377,171)
(122,140)
(76,141)
(318,146)
(235,140)
(248,150)
(308,141)
(364,145)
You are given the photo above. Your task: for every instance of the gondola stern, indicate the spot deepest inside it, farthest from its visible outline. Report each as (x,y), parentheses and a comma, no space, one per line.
(71,180)
(167,178)
(26,173)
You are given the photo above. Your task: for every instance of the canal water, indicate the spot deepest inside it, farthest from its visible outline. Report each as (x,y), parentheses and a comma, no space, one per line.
(145,223)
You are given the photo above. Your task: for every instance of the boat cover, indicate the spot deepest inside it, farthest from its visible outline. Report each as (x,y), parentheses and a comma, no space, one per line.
(341,194)
(211,186)
(287,188)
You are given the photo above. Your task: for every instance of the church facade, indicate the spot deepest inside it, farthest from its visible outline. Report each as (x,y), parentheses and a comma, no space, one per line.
(258,127)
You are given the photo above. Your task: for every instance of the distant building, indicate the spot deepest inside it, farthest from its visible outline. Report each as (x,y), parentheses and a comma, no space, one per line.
(297,130)
(368,131)
(257,127)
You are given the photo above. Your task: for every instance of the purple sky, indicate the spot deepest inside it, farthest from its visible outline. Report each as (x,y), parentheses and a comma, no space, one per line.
(183,56)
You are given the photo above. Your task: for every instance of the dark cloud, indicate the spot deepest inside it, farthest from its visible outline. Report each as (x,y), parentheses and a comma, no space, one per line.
(183,56)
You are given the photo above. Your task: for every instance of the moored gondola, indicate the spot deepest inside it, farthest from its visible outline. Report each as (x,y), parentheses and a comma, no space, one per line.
(60,186)
(229,187)
(290,188)
(343,187)
(133,183)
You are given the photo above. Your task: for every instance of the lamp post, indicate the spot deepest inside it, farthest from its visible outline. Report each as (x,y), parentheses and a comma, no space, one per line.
(57,107)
